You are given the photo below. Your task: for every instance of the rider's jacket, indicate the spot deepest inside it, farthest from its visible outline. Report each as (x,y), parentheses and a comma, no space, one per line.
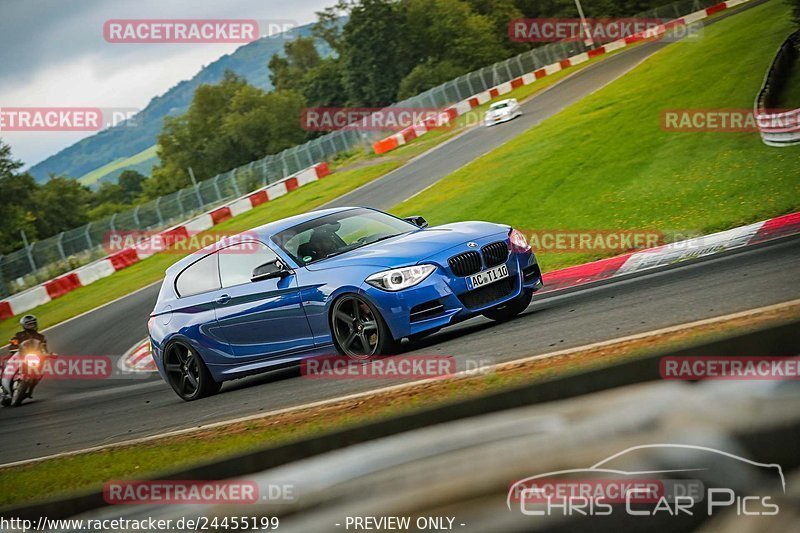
(26,335)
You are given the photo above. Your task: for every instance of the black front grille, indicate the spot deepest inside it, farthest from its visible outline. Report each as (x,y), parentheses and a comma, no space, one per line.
(465,264)
(426,310)
(495,253)
(489,293)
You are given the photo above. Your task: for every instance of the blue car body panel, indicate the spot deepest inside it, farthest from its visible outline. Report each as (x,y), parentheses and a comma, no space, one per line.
(255,326)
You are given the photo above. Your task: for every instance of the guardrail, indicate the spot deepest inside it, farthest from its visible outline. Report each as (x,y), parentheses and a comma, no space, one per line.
(781,128)
(774,341)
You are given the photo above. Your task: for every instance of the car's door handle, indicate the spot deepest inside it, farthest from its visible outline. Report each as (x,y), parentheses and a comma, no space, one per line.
(222,300)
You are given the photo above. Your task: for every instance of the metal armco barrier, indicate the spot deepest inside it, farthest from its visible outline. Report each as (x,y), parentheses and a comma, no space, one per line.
(777,341)
(779,128)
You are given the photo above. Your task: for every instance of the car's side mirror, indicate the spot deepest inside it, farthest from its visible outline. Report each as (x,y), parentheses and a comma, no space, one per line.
(418,221)
(273,269)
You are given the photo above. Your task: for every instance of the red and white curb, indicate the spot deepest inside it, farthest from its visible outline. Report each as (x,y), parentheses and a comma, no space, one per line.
(85,275)
(673,253)
(138,359)
(609,268)
(451,113)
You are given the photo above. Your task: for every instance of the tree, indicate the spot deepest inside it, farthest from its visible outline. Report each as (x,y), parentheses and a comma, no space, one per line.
(227,125)
(60,204)
(329,24)
(427,75)
(448,30)
(18,210)
(130,181)
(376,52)
(288,71)
(323,85)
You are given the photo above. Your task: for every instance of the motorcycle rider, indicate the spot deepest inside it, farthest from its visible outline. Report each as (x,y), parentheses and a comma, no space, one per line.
(30,331)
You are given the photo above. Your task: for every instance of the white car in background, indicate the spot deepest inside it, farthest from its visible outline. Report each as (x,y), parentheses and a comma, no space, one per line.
(502,111)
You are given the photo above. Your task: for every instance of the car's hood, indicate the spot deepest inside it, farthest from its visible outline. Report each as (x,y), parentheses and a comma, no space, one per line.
(411,248)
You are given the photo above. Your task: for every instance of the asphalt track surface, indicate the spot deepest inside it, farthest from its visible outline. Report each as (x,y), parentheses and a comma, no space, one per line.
(72,415)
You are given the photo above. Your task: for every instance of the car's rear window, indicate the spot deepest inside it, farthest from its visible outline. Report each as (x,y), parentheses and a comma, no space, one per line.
(201,276)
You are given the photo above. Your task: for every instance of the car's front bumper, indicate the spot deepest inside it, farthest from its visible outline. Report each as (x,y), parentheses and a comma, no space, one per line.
(443,299)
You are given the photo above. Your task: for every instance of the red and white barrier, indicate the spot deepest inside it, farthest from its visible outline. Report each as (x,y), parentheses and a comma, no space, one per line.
(412,132)
(25,301)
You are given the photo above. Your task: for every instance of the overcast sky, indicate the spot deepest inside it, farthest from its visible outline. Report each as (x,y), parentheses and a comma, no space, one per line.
(52,53)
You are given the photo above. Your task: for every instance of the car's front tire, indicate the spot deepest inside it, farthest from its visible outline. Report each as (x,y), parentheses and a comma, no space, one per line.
(187,374)
(510,309)
(359,331)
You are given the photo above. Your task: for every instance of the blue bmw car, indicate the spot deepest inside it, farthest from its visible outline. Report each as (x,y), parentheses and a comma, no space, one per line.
(350,280)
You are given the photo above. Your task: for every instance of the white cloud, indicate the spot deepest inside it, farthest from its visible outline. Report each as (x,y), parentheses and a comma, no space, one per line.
(62,60)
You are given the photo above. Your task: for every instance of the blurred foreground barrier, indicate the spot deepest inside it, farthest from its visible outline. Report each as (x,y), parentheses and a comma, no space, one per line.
(777,341)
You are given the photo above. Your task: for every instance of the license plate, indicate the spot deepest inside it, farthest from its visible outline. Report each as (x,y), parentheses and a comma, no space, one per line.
(487,276)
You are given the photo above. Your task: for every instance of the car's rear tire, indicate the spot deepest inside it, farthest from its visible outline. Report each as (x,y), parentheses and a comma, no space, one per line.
(359,331)
(509,310)
(187,374)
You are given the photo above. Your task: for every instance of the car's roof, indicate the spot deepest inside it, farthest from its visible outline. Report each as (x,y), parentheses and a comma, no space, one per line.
(506,101)
(263,232)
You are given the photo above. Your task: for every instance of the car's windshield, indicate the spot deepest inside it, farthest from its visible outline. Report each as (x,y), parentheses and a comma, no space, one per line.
(338,233)
(499,105)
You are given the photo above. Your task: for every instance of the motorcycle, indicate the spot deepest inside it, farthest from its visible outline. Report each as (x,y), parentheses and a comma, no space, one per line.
(22,372)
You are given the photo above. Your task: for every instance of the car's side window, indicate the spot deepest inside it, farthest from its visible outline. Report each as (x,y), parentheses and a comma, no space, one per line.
(201,276)
(236,263)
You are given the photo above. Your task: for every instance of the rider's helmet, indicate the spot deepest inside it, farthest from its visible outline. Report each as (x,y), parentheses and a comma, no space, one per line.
(29,323)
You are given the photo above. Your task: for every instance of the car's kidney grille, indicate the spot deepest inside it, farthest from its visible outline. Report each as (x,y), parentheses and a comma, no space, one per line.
(495,253)
(465,264)
(489,293)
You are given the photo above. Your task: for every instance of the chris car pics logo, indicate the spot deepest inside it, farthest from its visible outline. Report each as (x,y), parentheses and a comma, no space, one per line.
(679,489)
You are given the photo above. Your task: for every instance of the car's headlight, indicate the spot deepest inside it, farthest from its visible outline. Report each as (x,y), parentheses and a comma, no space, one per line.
(400,278)
(517,242)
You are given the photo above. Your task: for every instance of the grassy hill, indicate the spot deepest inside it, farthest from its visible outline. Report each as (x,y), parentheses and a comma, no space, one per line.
(142,162)
(121,142)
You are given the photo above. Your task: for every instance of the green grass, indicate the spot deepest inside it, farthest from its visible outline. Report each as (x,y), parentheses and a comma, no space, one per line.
(97,174)
(606,163)
(152,269)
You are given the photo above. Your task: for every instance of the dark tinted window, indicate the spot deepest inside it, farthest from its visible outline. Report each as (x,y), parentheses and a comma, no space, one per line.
(236,263)
(201,276)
